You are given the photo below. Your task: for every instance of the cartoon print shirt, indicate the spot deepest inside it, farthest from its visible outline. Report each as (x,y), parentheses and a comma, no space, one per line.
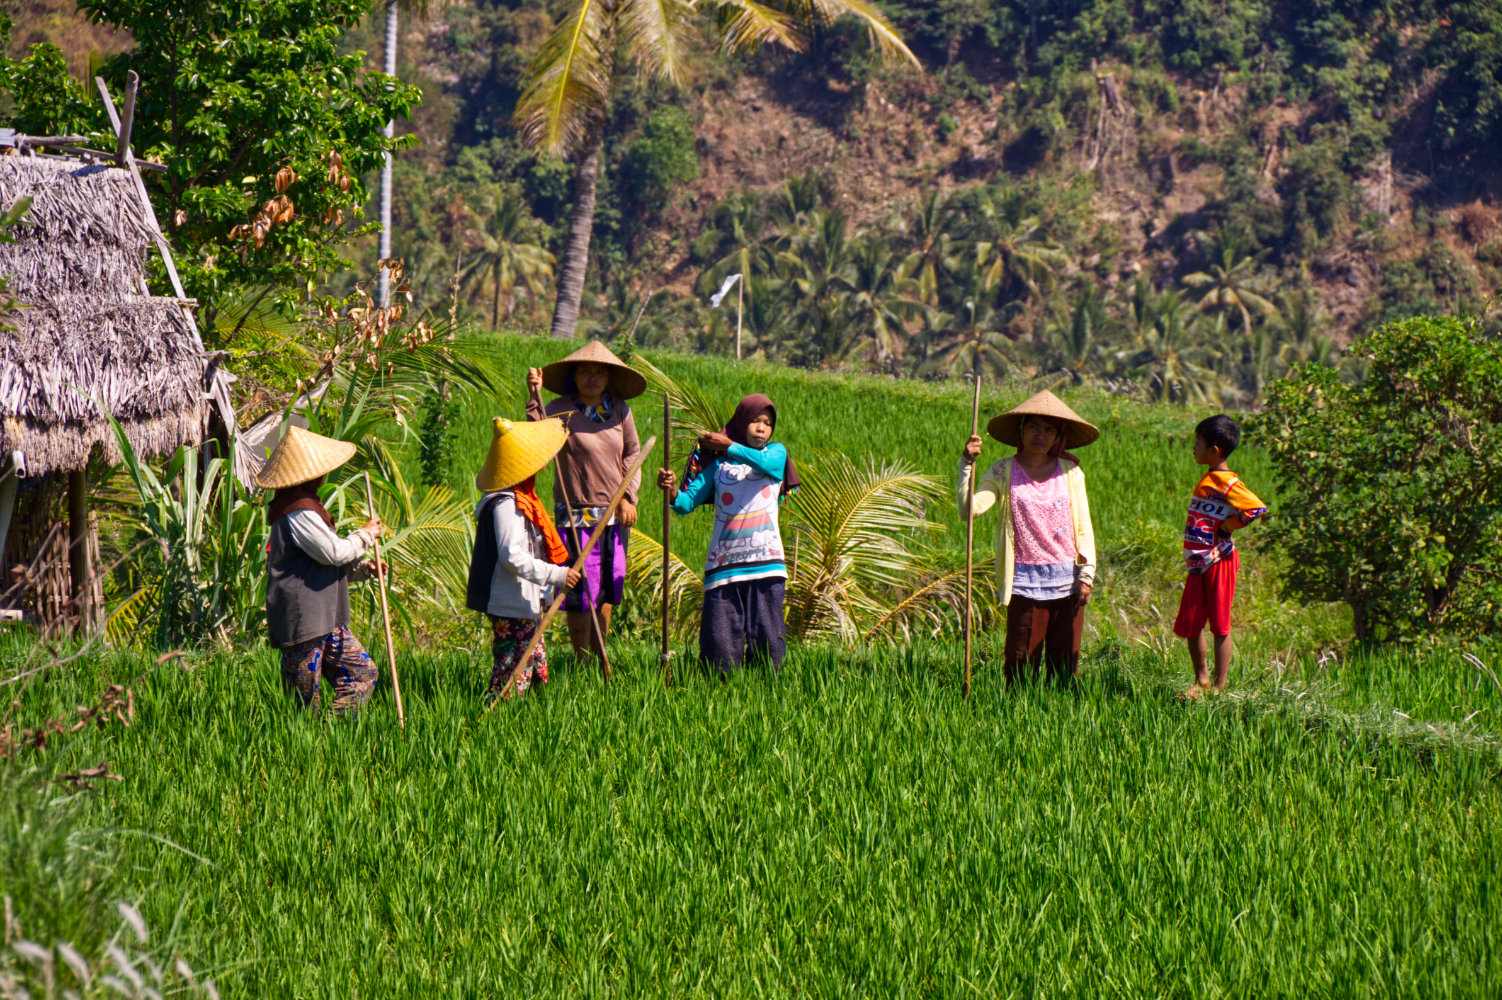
(1220,505)
(743,484)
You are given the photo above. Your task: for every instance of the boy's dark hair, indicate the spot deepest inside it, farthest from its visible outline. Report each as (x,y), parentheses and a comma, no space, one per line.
(1220,432)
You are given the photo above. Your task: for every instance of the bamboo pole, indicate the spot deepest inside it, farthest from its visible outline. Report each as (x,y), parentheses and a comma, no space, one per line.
(594,611)
(547,616)
(667,534)
(385,610)
(78,548)
(970,530)
(740,309)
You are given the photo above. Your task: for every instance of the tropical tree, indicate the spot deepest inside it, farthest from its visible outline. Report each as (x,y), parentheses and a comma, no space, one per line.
(1232,281)
(1168,357)
(507,255)
(1074,337)
(932,258)
(564,107)
(735,226)
(878,303)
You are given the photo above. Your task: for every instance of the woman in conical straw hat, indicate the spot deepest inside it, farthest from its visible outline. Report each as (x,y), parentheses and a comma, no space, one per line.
(592,386)
(517,553)
(1045,545)
(308,571)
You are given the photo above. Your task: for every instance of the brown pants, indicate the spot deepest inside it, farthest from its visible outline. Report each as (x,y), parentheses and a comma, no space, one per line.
(1043,631)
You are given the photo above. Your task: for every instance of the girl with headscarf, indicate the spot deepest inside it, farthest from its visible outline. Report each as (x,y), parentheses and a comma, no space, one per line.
(517,553)
(308,571)
(1045,545)
(746,477)
(592,386)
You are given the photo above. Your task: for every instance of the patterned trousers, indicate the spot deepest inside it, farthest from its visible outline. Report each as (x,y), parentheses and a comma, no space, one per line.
(340,659)
(509,638)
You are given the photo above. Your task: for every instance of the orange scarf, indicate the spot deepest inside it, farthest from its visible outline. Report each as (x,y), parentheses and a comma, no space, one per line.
(530,506)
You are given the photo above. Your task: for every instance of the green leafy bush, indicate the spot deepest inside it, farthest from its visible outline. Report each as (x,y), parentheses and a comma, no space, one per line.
(664,156)
(1392,488)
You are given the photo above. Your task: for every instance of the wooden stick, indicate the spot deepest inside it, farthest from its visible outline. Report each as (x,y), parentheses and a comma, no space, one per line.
(667,535)
(385,611)
(594,612)
(128,118)
(970,529)
(547,616)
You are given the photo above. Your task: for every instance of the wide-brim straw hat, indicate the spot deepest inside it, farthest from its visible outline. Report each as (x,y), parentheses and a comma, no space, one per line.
(301,456)
(1007,428)
(519,450)
(625,382)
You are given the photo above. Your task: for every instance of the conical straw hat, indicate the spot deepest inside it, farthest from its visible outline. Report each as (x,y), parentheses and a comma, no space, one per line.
(519,450)
(300,456)
(625,382)
(1007,428)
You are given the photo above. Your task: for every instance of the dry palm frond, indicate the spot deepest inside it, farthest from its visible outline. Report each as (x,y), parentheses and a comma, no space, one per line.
(696,412)
(885,37)
(749,24)
(568,88)
(685,588)
(855,531)
(939,603)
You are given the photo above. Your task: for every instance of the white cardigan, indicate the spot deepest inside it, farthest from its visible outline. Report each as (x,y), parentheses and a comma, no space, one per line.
(522,571)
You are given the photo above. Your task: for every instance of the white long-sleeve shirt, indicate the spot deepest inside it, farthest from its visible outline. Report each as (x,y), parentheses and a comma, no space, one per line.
(521,573)
(322,543)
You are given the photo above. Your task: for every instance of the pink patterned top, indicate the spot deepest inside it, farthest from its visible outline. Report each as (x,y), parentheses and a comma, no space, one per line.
(1044,533)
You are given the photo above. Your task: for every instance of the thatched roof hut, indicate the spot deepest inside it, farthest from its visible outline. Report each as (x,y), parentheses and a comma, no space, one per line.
(89,338)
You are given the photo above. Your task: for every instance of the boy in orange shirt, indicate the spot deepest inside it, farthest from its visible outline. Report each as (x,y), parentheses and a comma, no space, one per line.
(1219,506)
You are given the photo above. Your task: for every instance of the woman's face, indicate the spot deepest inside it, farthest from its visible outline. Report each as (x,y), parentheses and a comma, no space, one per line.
(591,380)
(759,431)
(1037,437)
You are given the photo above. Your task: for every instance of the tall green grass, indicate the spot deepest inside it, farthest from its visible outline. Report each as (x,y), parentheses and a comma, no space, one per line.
(851,827)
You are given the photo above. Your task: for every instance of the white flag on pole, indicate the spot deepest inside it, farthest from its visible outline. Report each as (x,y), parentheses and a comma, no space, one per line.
(725,287)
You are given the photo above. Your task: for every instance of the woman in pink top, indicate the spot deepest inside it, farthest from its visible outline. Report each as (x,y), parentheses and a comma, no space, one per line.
(592,386)
(1045,545)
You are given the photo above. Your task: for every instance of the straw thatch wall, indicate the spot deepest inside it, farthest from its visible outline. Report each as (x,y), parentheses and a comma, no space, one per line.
(86,334)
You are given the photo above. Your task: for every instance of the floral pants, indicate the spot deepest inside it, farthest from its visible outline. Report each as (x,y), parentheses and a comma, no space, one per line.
(341,659)
(509,638)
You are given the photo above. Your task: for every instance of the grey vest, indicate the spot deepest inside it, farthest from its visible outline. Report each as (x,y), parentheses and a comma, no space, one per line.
(304,598)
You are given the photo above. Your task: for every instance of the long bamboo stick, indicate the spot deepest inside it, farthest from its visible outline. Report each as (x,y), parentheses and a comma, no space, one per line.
(970,530)
(667,534)
(594,610)
(396,685)
(547,617)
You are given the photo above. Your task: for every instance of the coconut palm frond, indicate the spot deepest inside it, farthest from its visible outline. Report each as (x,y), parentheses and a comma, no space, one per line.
(858,534)
(568,89)
(124,623)
(657,34)
(685,588)
(695,411)
(939,603)
(750,24)
(887,41)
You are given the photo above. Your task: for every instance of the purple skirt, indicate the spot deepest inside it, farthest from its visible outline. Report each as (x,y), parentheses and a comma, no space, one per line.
(604,579)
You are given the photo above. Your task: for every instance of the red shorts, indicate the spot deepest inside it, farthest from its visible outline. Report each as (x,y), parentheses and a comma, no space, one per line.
(1207,599)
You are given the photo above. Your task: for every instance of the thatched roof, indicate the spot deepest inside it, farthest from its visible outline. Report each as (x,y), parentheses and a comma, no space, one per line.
(87,332)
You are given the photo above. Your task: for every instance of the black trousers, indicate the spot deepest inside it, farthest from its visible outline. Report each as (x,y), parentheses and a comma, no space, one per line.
(743,619)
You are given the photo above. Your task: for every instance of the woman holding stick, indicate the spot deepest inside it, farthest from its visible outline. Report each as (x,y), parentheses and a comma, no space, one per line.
(517,552)
(593,386)
(308,571)
(1045,545)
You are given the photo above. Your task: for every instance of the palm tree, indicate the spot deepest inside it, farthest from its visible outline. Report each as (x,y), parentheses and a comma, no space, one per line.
(818,269)
(1168,356)
(568,87)
(1232,281)
(931,259)
(878,303)
(507,254)
(1075,335)
(739,220)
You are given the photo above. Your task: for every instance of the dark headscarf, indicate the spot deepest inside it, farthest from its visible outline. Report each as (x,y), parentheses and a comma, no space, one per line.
(303,496)
(746,411)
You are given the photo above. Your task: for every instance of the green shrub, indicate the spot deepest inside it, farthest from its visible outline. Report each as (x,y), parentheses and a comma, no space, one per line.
(1392,488)
(664,155)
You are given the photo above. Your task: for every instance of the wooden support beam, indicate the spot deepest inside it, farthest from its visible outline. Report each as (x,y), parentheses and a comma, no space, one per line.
(127,120)
(78,547)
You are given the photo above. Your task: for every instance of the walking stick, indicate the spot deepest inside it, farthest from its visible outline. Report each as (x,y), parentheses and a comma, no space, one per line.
(667,534)
(396,685)
(594,611)
(970,530)
(547,616)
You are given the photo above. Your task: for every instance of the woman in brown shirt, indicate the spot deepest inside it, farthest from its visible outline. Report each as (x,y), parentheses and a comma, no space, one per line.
(592,386)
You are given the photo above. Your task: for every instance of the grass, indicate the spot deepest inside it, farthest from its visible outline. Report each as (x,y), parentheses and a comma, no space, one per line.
(851,827)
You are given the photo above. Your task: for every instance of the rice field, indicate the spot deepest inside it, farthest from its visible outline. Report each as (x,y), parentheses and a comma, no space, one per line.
(851,827)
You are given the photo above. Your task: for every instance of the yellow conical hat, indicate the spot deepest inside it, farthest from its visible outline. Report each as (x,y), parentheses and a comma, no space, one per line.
(1007,428)
(300,456)
(625,382)
(519,450)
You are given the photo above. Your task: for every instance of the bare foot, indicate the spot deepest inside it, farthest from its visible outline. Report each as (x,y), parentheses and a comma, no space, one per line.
(1194,692)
